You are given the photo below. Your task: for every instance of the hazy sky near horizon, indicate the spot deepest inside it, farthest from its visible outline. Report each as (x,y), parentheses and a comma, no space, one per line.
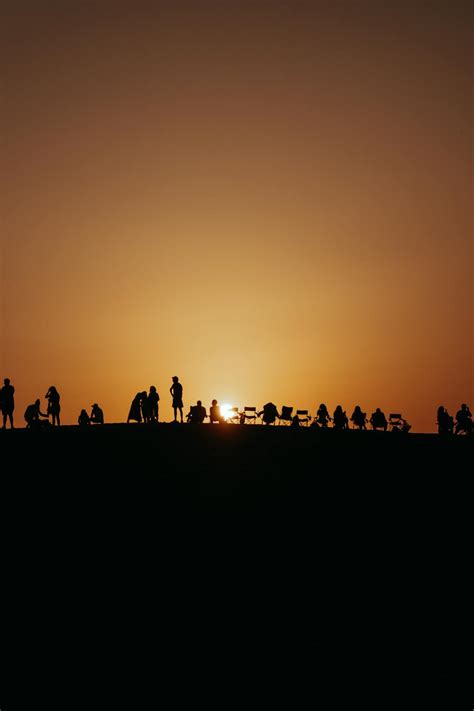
(272,200)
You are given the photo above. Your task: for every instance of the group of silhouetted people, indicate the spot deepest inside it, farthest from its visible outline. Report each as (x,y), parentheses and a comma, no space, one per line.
(446,423)
(145,408)
(95,418)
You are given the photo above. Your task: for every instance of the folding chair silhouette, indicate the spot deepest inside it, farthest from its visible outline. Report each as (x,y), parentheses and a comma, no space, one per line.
(250,413)
(397,423)
(286,415)
(235,417)
(304,417)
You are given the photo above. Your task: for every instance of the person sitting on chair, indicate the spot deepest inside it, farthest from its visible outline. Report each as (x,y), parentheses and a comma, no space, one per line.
(197,413)
(322,416)
(444,421)
(295,422)
(359,418)
(33,414)
(97,415)
(340,419)
(215,413)
(463,420)
(378,419)
(269,413)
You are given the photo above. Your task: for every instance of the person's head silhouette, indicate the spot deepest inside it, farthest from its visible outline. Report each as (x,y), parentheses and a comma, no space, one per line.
(199,403)
(152,389)
(175,378)
(6,381)
(214,402)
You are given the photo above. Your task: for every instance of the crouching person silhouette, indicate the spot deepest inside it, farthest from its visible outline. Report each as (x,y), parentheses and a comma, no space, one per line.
(33,416)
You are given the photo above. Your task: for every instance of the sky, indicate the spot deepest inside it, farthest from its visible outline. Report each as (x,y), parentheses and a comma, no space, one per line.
(272,200)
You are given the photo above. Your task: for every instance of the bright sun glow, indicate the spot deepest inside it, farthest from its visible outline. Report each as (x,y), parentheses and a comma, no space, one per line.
(226,411)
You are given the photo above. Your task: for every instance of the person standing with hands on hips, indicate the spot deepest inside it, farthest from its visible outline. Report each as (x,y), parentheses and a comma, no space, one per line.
(176,391)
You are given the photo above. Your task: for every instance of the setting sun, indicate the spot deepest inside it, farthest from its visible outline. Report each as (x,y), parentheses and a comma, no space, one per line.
(226,411)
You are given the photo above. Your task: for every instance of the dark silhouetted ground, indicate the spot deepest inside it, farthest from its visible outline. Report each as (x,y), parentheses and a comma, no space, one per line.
(344,558)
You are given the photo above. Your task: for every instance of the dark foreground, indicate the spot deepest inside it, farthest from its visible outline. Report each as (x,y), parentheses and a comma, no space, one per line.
(344,558)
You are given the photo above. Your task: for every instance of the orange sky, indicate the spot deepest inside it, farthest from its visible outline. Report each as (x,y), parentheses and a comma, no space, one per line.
(271,200)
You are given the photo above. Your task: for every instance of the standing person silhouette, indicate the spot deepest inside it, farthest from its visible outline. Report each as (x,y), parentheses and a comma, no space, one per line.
(153,409)
(176,391)
(54,407)
(7,402)
(135,412)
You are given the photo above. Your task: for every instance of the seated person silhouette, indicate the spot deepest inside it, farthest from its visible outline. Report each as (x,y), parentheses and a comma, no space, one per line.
(444,421)
(33,414)
(378,420)
(97,415)
(83,419)
(463,420)
(322,416)
(295,422)
(269,413)
(340,419)
(359,418)
(197,414)
(215,413)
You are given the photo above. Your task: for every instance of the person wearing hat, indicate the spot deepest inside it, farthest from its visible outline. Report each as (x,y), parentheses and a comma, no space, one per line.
(97,415)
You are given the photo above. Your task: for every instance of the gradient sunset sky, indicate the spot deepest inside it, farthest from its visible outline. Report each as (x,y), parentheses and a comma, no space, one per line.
(271,200)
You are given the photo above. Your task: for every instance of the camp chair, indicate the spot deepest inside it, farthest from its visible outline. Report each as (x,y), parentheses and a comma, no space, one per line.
(396,422)
(286,415)
(304,416)
(235,417)
(250,413)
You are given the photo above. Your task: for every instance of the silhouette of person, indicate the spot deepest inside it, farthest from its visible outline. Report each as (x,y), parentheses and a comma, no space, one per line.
(144,407)
(135,412)
(295,422)
(97,415)
(197,413)
(463,420)
(215,413)
(359,418)
(378,420)
(340,419)
(7,402)
(83,419)
(176,391)
(269,413)
(54,407)
(153,399)
(444,421)
(33,413)
(322,416)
